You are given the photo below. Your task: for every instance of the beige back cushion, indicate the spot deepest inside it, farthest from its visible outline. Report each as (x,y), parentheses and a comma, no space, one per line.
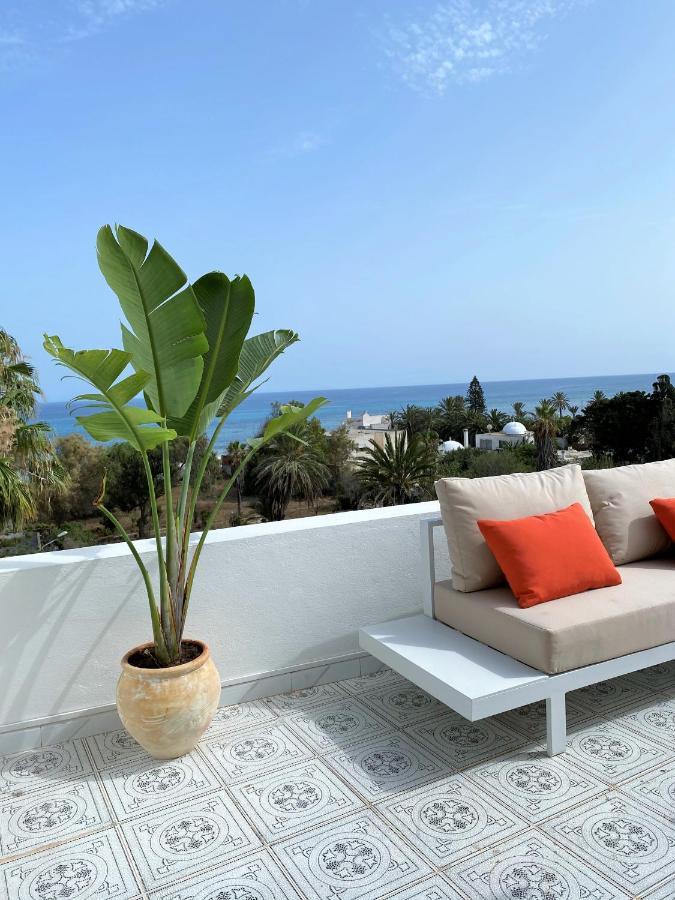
(623,517)
(466,500)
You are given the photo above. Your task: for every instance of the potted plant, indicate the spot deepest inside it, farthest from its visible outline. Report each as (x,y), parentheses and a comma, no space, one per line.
(193,364)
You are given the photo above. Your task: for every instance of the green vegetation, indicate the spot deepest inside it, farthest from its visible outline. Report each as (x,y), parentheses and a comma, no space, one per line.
(306,469)
(30,471)
(631,427)
(187,346)
(401,471)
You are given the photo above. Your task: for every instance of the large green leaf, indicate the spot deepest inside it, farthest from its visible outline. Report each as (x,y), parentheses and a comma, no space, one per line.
(166,334)
(112,417)
(289,415)
(257,354)
(227,307)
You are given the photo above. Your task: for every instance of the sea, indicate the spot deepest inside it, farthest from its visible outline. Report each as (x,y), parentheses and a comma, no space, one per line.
(247,419)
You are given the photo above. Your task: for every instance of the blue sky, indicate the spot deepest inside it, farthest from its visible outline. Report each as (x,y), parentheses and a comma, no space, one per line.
(423,190)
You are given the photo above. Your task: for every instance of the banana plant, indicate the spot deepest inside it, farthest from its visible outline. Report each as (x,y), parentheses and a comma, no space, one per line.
(186,352)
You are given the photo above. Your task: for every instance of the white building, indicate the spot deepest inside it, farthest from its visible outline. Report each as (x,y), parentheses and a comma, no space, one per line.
(511,434)
(366,428)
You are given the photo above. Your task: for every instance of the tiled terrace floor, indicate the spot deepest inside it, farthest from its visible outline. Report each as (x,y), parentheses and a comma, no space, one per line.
(358,790)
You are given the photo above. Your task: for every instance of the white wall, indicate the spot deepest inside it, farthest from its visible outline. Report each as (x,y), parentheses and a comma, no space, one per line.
(266,597)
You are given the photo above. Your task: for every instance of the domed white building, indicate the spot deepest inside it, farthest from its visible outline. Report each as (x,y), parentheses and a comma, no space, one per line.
(514,428)
(511,434)
(450,446)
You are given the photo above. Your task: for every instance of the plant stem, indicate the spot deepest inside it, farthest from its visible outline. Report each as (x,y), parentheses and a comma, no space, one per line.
(160,644)
(207,527)
(163,583)
(198,482)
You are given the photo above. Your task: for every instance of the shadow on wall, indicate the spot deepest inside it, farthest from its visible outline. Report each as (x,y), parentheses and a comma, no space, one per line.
(31,641)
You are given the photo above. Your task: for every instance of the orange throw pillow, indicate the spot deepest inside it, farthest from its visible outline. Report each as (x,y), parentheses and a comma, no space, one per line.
(665,513)
(550,556)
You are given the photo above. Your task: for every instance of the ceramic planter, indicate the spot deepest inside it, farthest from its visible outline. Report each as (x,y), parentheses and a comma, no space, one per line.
(168,710)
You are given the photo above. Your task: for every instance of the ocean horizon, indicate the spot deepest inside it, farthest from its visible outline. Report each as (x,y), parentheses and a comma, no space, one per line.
(247,419)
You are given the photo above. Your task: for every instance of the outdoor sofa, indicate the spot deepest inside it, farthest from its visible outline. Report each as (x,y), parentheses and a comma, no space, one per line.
(480,653)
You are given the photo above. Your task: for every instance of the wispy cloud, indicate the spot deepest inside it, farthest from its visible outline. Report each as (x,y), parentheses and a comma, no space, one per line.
(465,41)
(30,30)
(302,143)
(93,15)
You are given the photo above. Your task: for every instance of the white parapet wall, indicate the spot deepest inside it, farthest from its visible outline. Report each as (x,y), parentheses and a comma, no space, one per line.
(269,599)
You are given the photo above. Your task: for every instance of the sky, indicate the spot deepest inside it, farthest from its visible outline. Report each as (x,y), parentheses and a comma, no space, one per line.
(423,190)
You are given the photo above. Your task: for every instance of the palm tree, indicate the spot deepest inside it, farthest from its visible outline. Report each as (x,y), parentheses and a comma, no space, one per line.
(573,410)
(560,402)
(598,397)
(519,411)
(235,455)
(29,468)
(451,417)
(545,428)
(496,420)
(292,466)
(417,420)
(401,471)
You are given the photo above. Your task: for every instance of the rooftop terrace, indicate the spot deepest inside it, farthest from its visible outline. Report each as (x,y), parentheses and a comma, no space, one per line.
(362,789)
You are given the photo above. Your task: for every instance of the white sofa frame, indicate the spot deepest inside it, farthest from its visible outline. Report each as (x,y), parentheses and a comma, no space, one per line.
(476,680)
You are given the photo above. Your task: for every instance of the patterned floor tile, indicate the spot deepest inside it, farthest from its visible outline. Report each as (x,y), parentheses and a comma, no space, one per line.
(32,770)
(294,799)
(300,699)
(450,820)
(256,877)
(530,720)
(606,697)
(612,752)
(534,785)
(530,867)
(172,843)
(383,678)
(358,858)
(336,725)
(57,814)
(462,743)
(113,748)
(633,847)
(403,704)
(656,678)
(434,888)
(656,722)
(141,786)
(239,716)
(247,753)
(656,788)
(92,867)
(387,765)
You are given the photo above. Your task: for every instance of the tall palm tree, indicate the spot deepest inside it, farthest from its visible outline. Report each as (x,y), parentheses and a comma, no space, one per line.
(451,417)
(292,466)
(417,420)
(235,454)
(401,471)
(29,467)
(519,411)
(545,428)
(560,402)
(496,419)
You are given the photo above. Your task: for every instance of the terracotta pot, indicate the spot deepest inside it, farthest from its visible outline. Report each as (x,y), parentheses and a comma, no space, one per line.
(168,710)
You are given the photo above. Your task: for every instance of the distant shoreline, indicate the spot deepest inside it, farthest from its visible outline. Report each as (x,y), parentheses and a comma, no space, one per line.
(500,395)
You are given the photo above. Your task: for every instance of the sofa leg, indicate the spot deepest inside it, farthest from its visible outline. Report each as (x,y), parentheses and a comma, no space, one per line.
(556,725)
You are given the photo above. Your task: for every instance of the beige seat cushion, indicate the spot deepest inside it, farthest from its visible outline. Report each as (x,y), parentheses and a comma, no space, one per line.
(574,631)
(465,500)
(623,517)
